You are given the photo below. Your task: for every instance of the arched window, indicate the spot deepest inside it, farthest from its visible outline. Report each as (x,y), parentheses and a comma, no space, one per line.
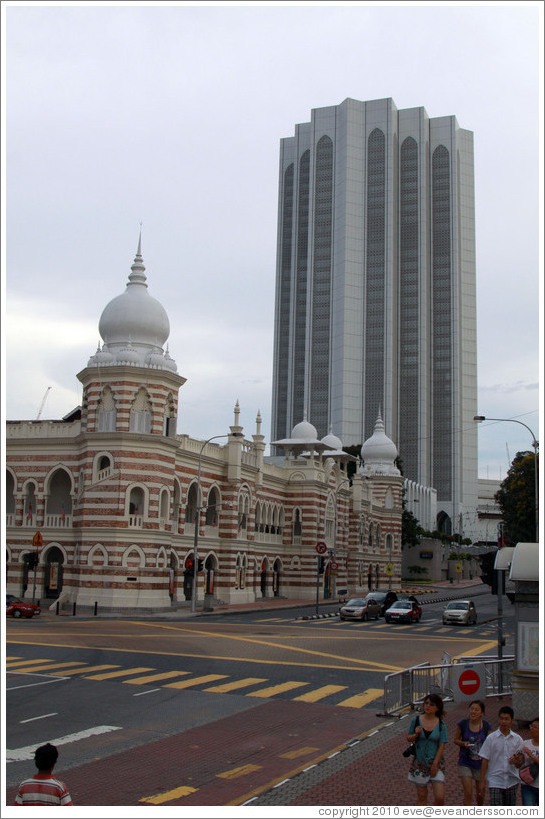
(106,411)
(191,506)
(212,507)
(164,504)
(296,527)
(10,499)
(169,422)
(136,506)
(330,522)
(29,512)
(140,419)
(58,508)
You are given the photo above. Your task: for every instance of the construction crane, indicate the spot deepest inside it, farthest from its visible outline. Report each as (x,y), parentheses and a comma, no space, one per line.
(42,405)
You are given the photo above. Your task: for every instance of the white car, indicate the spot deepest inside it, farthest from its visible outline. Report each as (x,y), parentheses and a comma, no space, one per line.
(460,612)
(360,608)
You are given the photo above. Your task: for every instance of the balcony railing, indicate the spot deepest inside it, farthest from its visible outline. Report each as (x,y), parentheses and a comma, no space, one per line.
(135,521)
(10,519)
(58,521)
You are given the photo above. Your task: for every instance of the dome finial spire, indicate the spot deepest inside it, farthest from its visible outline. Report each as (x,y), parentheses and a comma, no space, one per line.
(137,274)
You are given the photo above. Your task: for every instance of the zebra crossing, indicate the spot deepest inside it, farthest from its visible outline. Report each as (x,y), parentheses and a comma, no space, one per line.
(257,687)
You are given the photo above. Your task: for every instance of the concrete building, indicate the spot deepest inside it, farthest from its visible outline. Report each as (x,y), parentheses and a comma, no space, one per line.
(116,499)
(375,292)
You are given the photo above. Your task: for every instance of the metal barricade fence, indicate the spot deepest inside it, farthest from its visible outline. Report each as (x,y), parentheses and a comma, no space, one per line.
(405,688)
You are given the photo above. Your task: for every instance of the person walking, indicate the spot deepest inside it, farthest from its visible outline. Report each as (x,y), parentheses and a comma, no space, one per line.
(428,732)
(470,735)
(43,788)
(530,749)
(499,753)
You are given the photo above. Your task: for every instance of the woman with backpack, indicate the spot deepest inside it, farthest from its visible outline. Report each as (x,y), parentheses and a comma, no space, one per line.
(428,732)
(470,735)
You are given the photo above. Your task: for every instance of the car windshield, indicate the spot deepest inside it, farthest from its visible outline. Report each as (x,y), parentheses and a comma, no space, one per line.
(457,606)
(374,596)
(356,601)
(402,604)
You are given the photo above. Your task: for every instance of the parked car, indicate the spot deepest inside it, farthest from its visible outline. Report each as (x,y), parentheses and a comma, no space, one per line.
(384,598)
(401,611)
(19,608)
(461,612)
(360,608)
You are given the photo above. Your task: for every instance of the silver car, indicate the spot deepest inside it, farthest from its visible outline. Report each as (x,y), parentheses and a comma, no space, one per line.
(461,612)
(360,608)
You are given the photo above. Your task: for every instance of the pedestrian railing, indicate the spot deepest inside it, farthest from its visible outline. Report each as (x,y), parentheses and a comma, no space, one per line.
(406,688)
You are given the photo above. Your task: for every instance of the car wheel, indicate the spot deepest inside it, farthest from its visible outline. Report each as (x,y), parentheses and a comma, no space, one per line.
(377,615)
(365,617)
(16,613)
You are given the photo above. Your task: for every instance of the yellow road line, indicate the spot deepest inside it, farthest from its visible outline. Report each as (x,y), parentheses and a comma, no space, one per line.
(478,649)
(359,700)
(28,662)
(276,689)
(320,693)
(234,773)
(83,670)
(168,796)
(46,667)
(155,677)
(233,686)
(196,681)
(123,673)
(309,749)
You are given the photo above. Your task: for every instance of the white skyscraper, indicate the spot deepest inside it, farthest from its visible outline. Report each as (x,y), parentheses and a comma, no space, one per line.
(375,293)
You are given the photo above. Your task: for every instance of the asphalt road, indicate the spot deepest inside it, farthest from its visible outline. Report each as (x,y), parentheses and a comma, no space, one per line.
(106,689)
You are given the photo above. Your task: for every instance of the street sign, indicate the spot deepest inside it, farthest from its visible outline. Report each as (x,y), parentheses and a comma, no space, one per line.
(37,540)
(459,568)
(389,569)
(321,548)
(333,566)
(469,682)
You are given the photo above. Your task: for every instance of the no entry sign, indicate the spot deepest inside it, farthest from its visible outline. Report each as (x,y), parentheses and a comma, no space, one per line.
(469,682)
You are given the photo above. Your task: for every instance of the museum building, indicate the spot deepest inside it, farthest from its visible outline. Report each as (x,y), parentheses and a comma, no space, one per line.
(110,509)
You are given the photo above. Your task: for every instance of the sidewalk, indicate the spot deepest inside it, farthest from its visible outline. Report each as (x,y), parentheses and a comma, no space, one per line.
(372,770)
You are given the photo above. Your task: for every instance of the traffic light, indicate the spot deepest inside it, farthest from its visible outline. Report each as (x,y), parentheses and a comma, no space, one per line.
(31,560)
(200,565)
(189,566)
(321,565)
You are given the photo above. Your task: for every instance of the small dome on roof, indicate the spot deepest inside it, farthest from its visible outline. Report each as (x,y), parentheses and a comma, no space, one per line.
(332,441)
(304,430)
(379,452)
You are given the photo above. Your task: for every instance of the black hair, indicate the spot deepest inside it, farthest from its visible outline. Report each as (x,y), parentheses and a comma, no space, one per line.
(480,703)
(436,700)
(45,757)
(506,709)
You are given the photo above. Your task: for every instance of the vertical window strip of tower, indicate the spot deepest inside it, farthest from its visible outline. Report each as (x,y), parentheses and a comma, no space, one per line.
(283,337)
(442,324)
(408,308)
(375,270)
(301,290)
(321,293)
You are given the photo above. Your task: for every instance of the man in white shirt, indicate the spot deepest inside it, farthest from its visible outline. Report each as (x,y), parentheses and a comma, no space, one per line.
(498,752)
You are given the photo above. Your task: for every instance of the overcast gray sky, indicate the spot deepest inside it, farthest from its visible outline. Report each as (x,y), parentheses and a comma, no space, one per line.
(172,116)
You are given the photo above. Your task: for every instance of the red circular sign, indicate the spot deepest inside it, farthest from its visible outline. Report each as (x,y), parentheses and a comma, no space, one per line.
(469,681)
(334,566)
(321,548)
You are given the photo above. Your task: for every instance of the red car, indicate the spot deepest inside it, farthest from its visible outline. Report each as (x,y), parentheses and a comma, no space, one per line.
(18,608)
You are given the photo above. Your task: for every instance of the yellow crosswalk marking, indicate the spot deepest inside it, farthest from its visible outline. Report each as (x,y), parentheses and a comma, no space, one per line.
(233,686)
(320,693)
(45,667)
(168,796)
(154,677)
(236,772)
(359,700)
(299,752)
(84,670)
(196,681)
(272,690)
(123,673)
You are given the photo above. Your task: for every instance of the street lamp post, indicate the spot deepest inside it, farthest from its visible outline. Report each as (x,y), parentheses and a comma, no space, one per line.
(534,444)
(344,480)
(198,516)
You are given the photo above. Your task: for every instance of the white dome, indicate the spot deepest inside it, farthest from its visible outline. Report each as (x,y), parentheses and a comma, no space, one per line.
(379,452)
(134,316)
(332,441)
(304,431)
(127,355)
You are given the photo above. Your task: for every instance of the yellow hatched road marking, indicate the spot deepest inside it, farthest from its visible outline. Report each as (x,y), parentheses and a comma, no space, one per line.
(12,658)
(232,686)
(82,670)
(167,796)
(309,749)
(46,667)
(155,677)
(359,700)
(28,662)
(123,673)
(234,773)
(478,649)
(275,689)
(442,630)
(196,681)
(270,620)
(320,693)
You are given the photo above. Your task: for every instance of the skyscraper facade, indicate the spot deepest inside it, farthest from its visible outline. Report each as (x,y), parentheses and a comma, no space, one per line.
(375,292)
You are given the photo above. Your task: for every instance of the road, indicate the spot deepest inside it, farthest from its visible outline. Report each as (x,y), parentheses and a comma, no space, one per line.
(212,709)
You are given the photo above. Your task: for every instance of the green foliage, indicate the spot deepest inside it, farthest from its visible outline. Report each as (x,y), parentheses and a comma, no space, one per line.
(410,530)
(516,499)
(352,466)
(417,569)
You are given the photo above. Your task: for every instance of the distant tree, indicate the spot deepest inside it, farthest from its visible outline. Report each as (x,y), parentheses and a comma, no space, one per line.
(516,499)
(352,466)
(410,530)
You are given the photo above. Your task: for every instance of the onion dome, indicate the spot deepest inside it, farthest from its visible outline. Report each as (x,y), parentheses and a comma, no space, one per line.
(304,431)
(332,441)
(134,326)
(101,358)
(379,452)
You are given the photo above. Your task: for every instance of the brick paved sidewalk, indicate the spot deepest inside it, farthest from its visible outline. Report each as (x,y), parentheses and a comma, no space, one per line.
(374,772)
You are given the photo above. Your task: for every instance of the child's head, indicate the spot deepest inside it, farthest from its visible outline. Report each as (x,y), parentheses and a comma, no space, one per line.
(45,757)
